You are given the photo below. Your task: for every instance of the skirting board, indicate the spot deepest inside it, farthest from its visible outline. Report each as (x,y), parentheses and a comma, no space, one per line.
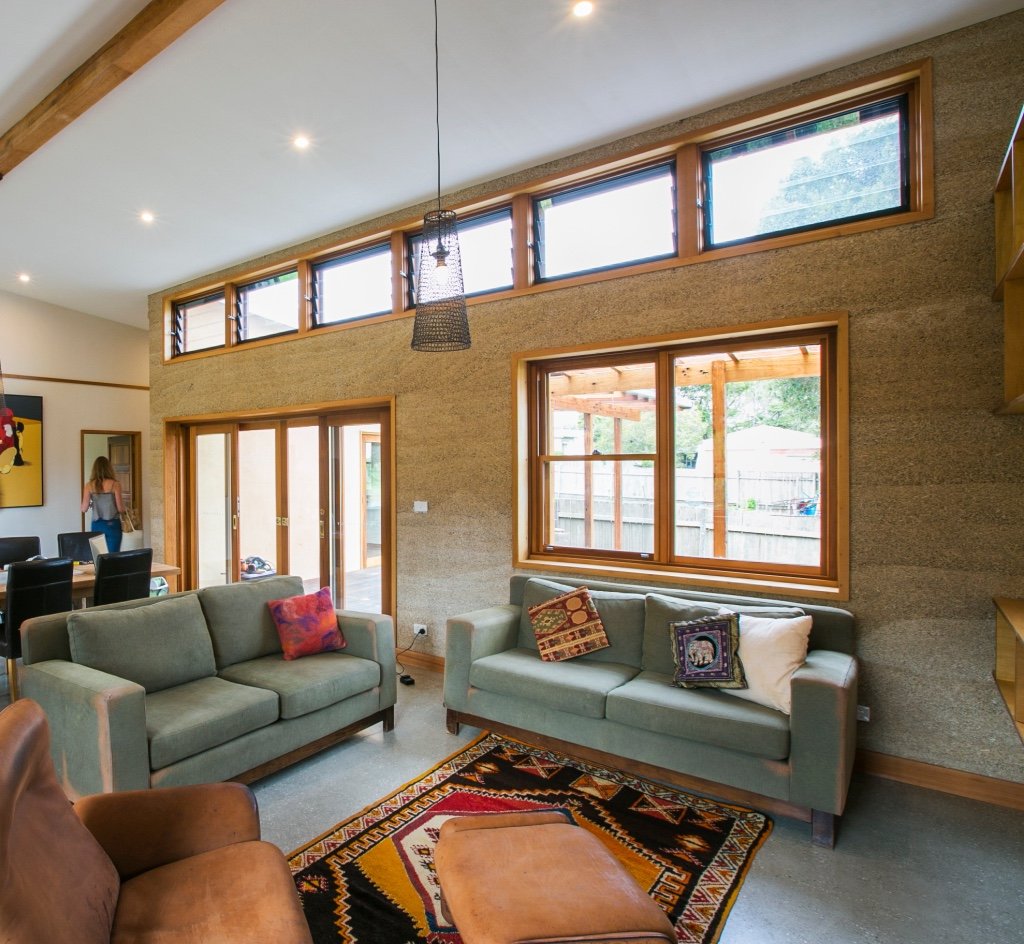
(424,659)
(1006,793)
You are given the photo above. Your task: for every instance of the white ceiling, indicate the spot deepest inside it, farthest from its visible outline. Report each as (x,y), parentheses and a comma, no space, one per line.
(201,135)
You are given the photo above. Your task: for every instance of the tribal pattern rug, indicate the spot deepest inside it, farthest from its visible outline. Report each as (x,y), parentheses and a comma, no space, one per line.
(370,880)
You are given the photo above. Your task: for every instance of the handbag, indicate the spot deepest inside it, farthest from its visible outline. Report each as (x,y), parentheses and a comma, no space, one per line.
(127,525)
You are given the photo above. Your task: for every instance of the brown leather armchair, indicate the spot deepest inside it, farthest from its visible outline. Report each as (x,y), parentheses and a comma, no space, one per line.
(166,865)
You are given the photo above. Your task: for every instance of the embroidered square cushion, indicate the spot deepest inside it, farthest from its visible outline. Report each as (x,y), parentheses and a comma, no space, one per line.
(706,652)
(307,624)
(568,626)
(771,650)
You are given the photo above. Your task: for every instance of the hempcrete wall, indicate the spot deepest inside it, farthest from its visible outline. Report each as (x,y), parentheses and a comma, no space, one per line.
(937,516)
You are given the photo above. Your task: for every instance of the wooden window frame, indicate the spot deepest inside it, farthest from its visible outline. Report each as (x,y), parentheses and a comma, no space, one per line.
(529,370)
(914,80)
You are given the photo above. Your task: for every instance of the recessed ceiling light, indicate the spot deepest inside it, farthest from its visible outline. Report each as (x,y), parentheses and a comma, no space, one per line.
(147,216)
(24,277)
(300,142)
(583,8)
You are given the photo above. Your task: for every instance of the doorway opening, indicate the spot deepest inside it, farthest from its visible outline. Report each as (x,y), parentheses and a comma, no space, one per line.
(124,449)
(307,494)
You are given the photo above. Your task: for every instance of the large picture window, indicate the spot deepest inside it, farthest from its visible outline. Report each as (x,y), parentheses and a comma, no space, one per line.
(718,458)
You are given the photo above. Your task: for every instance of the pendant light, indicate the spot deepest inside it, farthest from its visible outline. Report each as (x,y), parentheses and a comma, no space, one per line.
(441,322)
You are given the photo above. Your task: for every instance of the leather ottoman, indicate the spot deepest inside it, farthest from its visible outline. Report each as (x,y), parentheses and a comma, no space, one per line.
(528,878)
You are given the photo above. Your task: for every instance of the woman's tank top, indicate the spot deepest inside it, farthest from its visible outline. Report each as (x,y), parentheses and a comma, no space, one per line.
(104,506)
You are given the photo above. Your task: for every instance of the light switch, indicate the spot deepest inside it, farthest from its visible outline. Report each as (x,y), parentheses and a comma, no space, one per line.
(420,507)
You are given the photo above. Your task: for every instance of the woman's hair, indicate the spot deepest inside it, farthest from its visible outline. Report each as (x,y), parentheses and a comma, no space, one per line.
(101,471)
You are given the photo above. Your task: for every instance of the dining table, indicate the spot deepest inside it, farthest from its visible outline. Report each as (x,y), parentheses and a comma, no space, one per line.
(84,579)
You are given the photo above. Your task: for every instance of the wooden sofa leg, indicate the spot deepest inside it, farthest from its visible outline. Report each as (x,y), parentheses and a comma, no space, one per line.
(389,718)
(823,828)
(452,722)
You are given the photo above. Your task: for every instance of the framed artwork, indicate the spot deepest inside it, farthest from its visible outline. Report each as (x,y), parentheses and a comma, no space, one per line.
(21,451)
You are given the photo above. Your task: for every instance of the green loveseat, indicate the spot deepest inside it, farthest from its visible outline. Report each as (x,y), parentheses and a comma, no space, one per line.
(193,688)
(619,706)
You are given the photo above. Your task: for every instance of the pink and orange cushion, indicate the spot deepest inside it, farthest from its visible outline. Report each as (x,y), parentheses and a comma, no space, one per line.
(307,624)
(568,626)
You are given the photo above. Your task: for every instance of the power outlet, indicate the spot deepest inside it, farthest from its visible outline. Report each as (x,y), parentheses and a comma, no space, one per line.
(863,713)
(419,629)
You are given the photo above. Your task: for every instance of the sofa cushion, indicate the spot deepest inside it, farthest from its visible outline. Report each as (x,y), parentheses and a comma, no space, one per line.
(578,687)
(240,624)
(651,702)
(567,626)
(622,615)
(771,650)
(157,646)
(659,611)
(706,652)
(191,718)
(307,684)
(307,624)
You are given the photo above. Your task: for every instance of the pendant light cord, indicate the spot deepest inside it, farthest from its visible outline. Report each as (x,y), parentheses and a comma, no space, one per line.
(437,106)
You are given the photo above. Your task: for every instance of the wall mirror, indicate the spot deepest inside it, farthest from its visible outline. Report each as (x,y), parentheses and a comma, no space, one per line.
(124,449)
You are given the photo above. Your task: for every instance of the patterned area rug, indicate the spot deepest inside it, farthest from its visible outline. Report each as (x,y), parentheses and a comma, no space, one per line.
(370,880)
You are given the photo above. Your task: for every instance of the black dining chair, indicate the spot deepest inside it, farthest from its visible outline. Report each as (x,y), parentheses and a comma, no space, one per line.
(75,544)
(18,549)
(123,575)
(34,588)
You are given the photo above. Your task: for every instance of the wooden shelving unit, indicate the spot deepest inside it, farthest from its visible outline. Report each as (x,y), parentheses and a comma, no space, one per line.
(1009,203)
(1009,670)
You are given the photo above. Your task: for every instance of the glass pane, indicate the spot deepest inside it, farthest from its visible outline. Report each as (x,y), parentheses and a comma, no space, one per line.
(602,505)
(355,517)
(694,481)
(257,502)
(614,223)
(486,247)
(269,306)
(304,505)
(845,166)
(354,286)
(213,511)
(606,410)
(200,324)
(771,468)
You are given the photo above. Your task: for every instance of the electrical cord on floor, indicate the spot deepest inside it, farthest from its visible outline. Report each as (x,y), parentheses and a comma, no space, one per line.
(404,677)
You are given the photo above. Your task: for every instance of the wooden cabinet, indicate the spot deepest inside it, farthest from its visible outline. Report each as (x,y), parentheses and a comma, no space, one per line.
(1009,202)
(1009,671)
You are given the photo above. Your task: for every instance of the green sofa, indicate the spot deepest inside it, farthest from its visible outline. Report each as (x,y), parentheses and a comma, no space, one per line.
(618,705)
(193,688)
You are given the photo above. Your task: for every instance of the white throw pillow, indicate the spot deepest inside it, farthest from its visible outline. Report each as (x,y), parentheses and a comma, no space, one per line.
(771,650)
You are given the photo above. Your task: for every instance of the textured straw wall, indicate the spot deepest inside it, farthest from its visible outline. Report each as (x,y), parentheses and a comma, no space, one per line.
(936,497)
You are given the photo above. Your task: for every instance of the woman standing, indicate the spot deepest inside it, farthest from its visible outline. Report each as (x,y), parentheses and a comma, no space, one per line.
(103,493)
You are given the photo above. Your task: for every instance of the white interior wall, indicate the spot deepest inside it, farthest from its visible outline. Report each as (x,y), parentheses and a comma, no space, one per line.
(45,341)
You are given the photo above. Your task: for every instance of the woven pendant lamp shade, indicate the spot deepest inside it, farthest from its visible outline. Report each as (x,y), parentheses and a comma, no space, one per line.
(441,322)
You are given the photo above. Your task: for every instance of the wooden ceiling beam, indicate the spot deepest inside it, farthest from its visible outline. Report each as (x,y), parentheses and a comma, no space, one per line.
(152,30)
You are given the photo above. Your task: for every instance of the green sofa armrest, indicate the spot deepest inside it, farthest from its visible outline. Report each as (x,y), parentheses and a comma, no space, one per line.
(372,636)
(472,636)
(823,730)
(97,726)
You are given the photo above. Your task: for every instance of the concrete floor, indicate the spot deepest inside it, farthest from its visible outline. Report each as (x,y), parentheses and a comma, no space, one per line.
(911,866)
